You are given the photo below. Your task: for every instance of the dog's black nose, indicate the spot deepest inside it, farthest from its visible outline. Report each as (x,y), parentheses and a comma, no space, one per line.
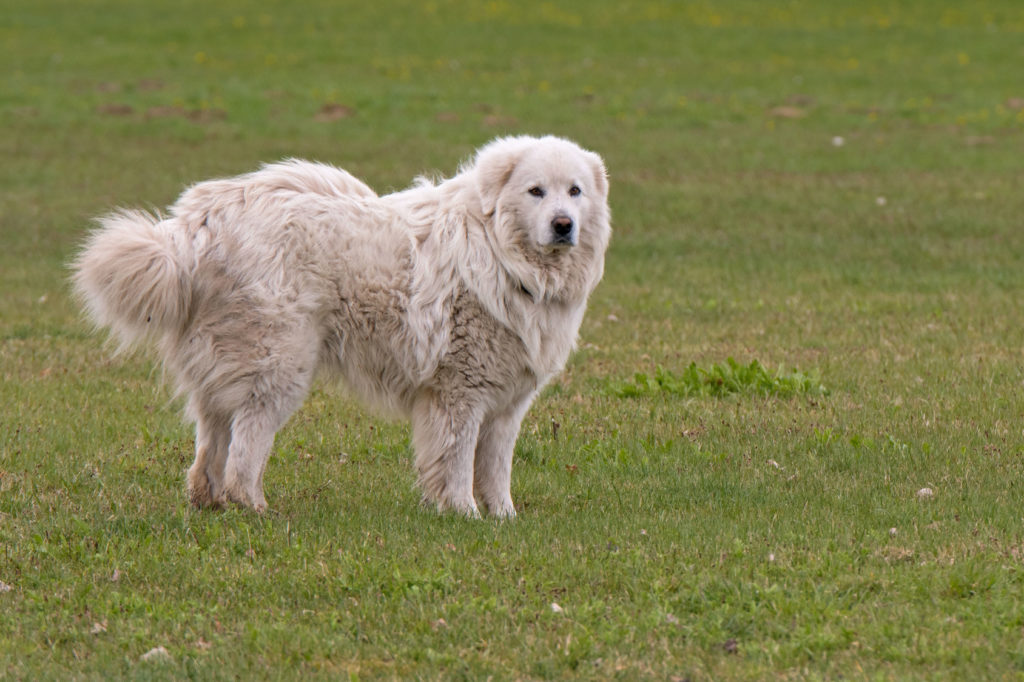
(562,225)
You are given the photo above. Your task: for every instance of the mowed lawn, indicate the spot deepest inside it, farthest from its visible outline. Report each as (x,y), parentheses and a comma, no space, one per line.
(833,190)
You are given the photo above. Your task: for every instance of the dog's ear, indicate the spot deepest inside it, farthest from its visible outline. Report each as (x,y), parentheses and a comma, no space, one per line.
(600,174)
(494,165)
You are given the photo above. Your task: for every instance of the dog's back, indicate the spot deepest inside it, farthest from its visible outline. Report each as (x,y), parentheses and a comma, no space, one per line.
(134,274)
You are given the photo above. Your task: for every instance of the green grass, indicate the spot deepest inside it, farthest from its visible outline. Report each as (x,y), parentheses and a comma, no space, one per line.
(719,380)
(685,532)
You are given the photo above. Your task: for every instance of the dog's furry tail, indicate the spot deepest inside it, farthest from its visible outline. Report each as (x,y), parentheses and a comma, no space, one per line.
(131,278)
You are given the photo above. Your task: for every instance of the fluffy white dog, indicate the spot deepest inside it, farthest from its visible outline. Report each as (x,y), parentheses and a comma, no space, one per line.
(451,303)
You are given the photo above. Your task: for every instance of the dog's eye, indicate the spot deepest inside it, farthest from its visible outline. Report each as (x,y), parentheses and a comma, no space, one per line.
(574,191)
(536,191)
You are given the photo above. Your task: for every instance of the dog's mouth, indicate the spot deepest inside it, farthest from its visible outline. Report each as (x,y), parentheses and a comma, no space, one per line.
(557,247)
(561,242)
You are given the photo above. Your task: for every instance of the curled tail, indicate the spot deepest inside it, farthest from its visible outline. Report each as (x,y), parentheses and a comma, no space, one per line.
(130,278)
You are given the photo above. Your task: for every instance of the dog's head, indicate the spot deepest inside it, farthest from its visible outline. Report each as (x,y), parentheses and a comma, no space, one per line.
(546,199)
(550,183)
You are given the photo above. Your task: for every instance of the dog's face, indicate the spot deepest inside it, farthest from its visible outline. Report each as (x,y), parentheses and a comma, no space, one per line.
(548,195)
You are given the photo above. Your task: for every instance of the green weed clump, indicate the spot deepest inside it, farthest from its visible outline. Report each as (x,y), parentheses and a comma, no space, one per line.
(722,379)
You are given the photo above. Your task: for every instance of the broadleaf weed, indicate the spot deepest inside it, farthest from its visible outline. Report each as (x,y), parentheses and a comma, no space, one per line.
(722,379)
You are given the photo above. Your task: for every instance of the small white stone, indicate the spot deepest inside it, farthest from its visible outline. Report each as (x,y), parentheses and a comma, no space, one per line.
(892,532)
(925,493)
(555,608)
(156,654)
(881,201)
(838,141)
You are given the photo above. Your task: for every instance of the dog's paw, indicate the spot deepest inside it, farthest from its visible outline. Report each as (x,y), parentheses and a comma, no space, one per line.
(245,497)
(463,508)
(203,501)
(201,494)
(504,511)
(469,510)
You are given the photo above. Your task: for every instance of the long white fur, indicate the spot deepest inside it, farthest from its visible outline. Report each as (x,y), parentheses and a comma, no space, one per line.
(451,303)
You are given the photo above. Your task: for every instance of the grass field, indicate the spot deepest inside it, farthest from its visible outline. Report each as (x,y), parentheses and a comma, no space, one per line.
(833,190)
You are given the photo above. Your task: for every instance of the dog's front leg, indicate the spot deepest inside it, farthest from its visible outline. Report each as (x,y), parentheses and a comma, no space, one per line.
(444,434)
(492,470)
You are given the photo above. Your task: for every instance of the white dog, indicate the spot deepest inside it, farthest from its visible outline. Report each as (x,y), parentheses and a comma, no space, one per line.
(451,303)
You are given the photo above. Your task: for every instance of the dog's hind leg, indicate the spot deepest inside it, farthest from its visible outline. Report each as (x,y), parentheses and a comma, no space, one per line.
(272,399)
(252,437)
(206,475)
